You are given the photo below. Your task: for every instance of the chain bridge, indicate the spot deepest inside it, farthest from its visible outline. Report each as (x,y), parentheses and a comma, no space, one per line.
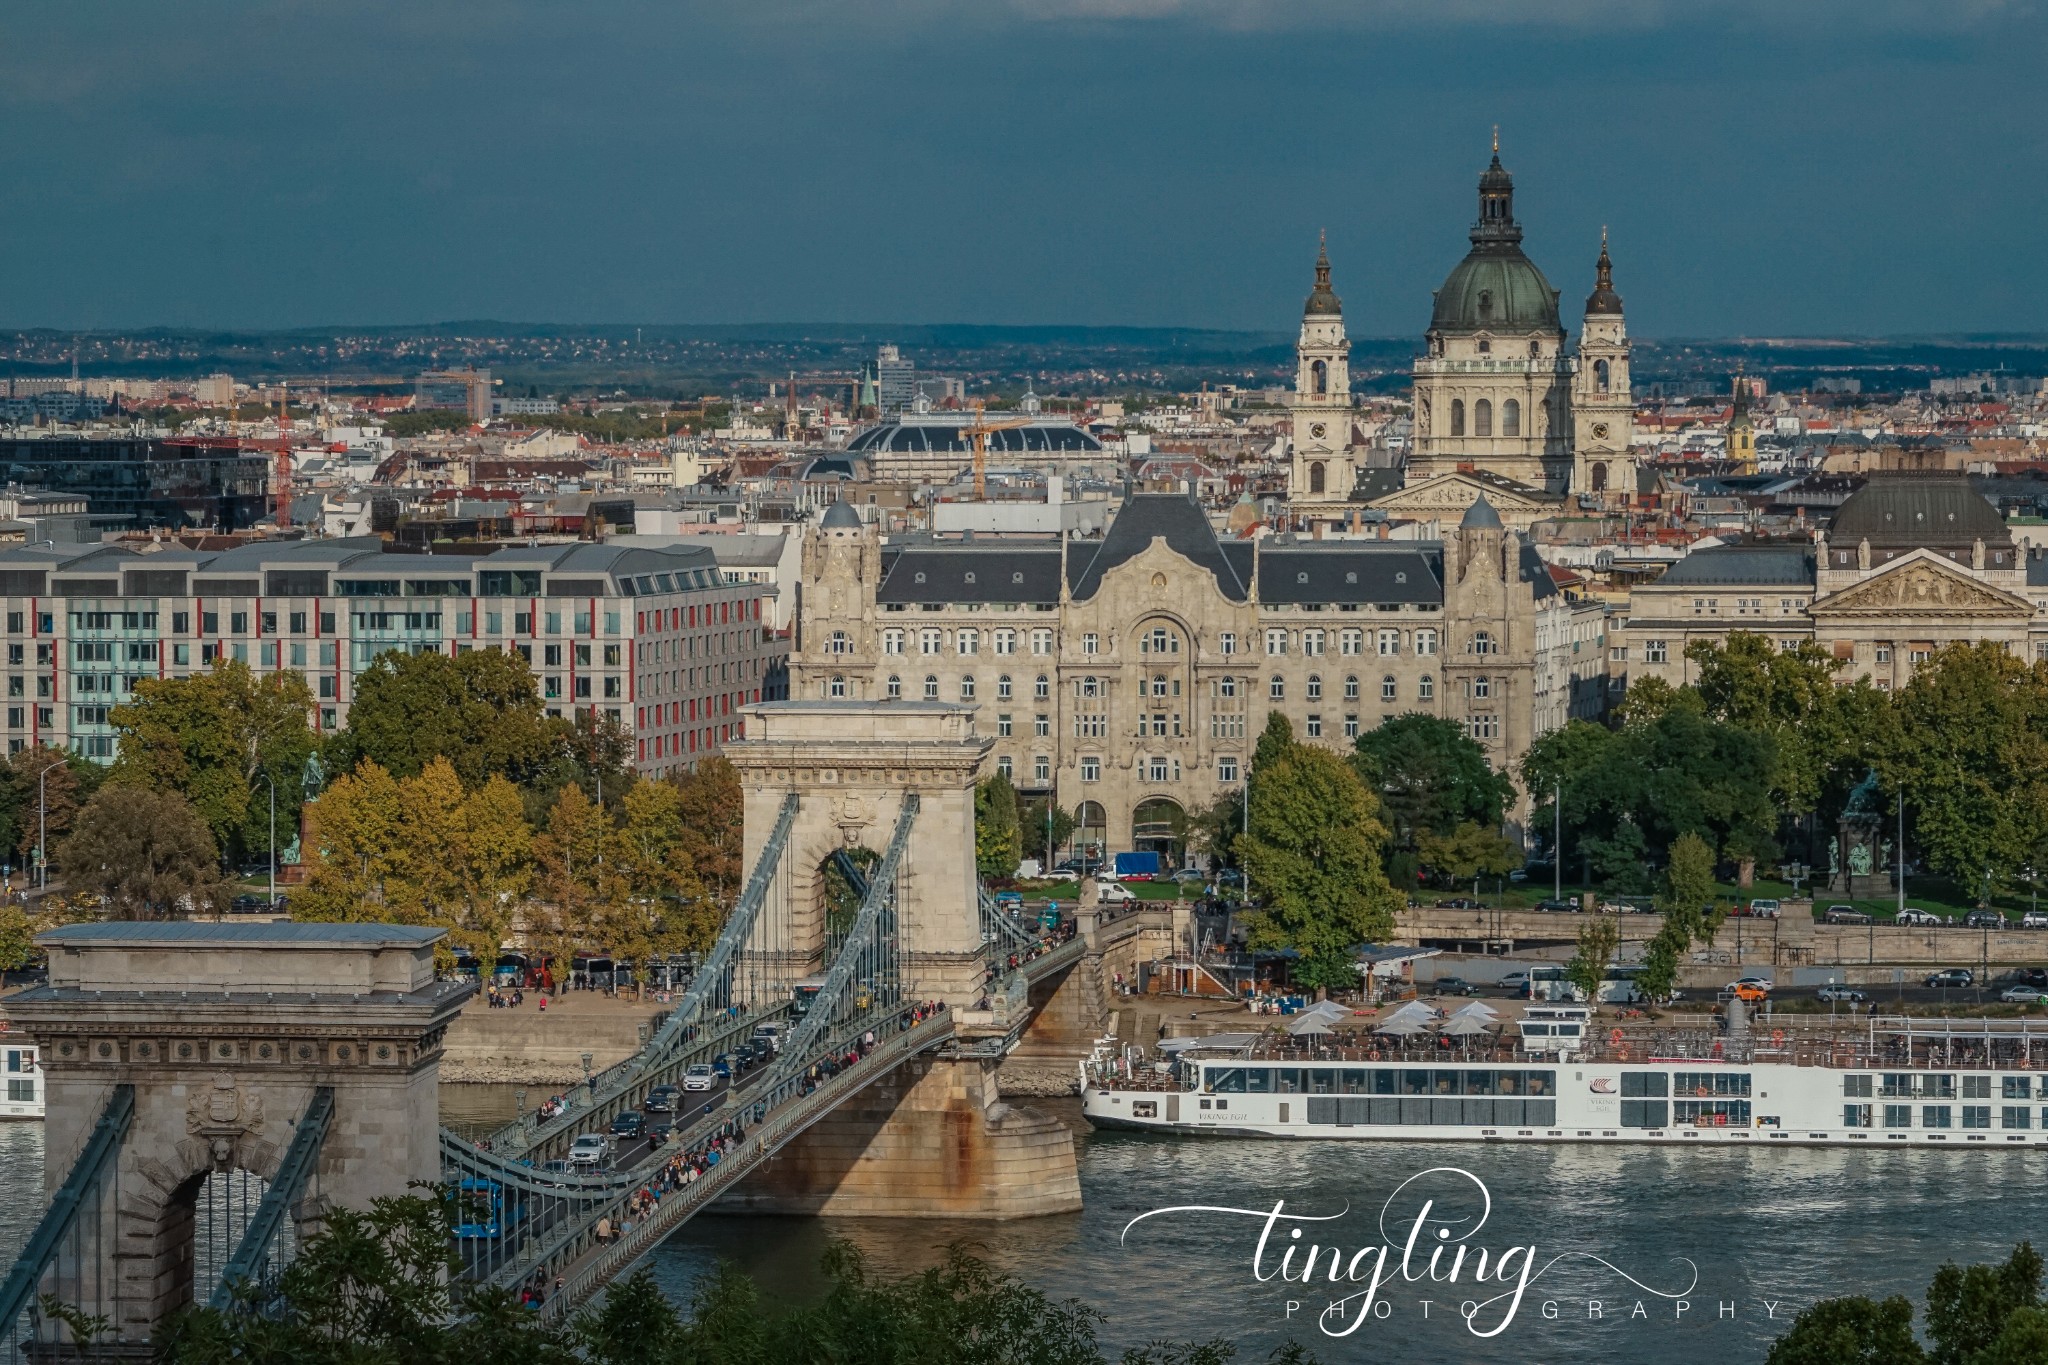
(213,1090)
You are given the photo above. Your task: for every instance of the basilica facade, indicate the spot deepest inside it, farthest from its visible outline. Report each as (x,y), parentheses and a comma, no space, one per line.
(1499,390)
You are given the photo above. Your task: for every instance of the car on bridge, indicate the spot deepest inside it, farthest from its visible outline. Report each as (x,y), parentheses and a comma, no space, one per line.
(658,1131)
(630,1124)
(661,1100)
(589,1152)
(771,1033)
(699,1076)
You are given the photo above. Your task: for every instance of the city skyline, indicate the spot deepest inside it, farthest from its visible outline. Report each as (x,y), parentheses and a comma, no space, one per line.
(1842,170)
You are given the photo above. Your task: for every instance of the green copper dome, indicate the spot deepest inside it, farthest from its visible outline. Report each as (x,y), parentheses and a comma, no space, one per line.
(1495,288)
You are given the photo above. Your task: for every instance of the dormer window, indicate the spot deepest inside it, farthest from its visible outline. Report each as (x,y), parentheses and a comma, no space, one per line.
(1301,578)
(919,577)
(970,578)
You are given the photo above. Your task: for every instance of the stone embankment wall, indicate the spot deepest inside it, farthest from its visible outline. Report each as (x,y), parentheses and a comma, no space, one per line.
(526,1047)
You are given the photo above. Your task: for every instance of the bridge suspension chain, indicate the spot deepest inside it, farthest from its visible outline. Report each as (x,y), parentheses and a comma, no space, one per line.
(71,1239)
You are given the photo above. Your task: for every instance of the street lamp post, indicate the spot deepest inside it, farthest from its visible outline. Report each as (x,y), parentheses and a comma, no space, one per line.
(42,831)
(273,841)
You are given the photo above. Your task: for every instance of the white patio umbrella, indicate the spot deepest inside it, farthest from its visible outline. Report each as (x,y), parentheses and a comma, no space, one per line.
(1309,1023)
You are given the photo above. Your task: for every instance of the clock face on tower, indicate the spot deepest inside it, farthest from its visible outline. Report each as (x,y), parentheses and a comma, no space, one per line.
(1599,431)
(1317,430)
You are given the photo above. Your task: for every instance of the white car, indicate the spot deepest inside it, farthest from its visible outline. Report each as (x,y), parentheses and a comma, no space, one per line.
(1762,983)
(589,1150)
(700,1076)
(1839,995)
(1115,893)
(2034,919)
(1911,916)
(2023,995)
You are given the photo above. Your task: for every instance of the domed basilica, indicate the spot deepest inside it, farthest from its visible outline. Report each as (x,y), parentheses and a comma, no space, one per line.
(1500,391)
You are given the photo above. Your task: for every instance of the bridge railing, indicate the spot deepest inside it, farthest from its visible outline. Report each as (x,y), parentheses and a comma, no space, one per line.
(682,1037)
(72,1243)
(595,1263)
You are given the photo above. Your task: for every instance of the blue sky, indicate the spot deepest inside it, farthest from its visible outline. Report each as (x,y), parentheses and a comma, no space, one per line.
(1793,167)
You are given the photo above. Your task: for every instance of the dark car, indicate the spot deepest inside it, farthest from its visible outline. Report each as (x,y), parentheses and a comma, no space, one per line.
(2027,976)
(1550,904)
(1984,919)
(1951,976)
(661,1100)
(1452,985)
(1458,903)
(759,1049)
(629,1125)
(658,1131)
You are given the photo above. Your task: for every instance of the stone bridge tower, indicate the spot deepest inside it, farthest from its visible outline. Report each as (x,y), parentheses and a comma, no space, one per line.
(225,1031)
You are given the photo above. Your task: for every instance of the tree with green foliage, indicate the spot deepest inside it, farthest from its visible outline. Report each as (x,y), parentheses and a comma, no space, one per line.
(1040,841)
(17,937)
(1976,1315)
(480,710)
(998,844)
(713,810)
(1970,752)
(148,852)
(1431,777)
(377,1287)
(1468,853)
(30,803)
(1313,853)
(1688,890)
(1599,939)
(1213,828)
(1273,742)
(219,739)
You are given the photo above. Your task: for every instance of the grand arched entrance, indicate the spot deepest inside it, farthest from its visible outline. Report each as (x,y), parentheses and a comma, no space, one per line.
(1159,825)
(1091,832)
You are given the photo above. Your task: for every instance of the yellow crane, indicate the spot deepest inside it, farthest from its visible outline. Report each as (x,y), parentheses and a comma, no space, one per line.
(977,432)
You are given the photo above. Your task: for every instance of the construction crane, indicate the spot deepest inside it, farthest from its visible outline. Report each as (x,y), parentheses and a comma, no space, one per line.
(977,432)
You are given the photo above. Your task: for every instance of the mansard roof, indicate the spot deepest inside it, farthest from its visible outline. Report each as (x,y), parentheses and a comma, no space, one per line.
(968,572)
(1173,517)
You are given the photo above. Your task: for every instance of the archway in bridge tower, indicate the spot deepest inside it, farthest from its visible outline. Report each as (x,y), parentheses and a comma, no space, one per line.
(1091,832)
(1161,826)
(841,879)
(198,1228)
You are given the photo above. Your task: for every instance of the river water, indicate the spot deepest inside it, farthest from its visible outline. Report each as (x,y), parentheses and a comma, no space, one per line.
(1734,1236)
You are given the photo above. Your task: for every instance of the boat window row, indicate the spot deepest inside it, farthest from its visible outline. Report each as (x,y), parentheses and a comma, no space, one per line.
(1432,1110)
(1936,1086)
(1331,1080)
(1704,1084)
(1937,1116)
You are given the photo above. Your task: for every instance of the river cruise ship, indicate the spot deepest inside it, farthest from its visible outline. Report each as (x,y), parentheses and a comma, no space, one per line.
(24,1077)
(1557,1078)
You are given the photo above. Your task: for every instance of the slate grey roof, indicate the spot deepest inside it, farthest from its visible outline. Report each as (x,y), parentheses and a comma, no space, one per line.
(1743,566)
(840,517)
(1919,509)
(1480,516)
(971,573)
(2037,569)
(932,433)
(1177,519)
(1341,572)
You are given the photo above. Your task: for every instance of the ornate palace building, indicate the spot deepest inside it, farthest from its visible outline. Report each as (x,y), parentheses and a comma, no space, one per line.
(1912,562)
(1129,674)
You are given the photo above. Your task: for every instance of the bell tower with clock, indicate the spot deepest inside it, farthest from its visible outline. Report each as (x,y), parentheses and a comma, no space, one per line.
(1603,409)
(1323,462)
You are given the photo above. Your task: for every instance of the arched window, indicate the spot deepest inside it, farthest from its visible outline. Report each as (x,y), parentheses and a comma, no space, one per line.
(1511,418)
(1457,417)
(839,643)
(1599,478)
(1425,689)
(1389,689)
(1482,417)
(1276,688)
(931,687)
(1319,377)
(967,687)
(1482,643)
(1315,477)
(1003,688)
(1351,688)
(1482,686)
(895,688)
(838,687)
(1315,687)
(1600,375)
